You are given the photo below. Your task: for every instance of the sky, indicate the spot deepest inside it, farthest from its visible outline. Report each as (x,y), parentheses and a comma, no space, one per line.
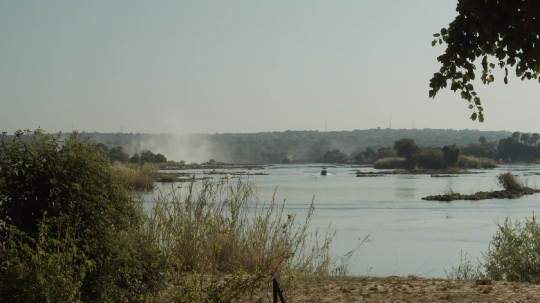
(237,66)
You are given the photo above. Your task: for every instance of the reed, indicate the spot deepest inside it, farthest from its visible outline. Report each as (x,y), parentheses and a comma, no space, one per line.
(476,162)
(389,163)
(136,176)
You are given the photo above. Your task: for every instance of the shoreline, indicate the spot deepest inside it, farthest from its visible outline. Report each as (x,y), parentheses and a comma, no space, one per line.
(400,289)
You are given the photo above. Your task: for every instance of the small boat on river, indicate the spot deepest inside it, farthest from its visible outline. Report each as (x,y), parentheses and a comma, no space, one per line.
(323,172)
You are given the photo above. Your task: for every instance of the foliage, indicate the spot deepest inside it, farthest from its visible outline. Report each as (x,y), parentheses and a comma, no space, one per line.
(118,154)
(519,147)
(148,156)
(407,148)
(509,182)
(104,147)
(484,149)
(335,156)
(136,159)
(386,152)
(433,159)
(514,251)
(47,174)
(49,268)
(71,181)
(505,30)
(451,154)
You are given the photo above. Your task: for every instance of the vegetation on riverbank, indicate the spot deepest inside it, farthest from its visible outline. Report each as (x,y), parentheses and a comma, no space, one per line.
(411,156)
(513,188)
(86,237)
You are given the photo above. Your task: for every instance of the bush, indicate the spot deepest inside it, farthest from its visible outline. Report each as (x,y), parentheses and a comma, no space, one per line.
(389,163)
(70,183)
(509,182)
(451,154)
(514,252)
(48,268)
(432,160)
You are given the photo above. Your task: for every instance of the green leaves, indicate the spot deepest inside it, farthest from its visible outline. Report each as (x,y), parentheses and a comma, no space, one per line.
(481,29)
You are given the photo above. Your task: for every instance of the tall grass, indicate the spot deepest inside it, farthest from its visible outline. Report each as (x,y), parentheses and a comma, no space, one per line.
(449,188)
(224,242)
(389,163)
(466,269)
(475,162)
(136,176)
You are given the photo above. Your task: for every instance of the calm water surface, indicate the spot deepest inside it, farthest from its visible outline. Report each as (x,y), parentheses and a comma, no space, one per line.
(407,235)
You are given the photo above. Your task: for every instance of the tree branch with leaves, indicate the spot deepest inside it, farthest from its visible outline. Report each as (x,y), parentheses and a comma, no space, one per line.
(507,31)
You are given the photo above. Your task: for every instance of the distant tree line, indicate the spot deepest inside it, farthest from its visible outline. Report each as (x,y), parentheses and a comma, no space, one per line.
(358,146)
(117,154)
(519,147)
(296,146)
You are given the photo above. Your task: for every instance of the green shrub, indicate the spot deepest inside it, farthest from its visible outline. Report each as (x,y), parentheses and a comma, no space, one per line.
(73,183)
(432,160)
(514,251)
(509,182)
(451,154)
(49,268)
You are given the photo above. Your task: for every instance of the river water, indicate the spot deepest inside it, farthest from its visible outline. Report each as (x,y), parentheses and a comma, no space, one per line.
(407,234)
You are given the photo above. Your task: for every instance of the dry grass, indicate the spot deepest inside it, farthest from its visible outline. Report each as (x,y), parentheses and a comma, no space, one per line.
(223,242)
(474,162)
(389,163)
(136,176)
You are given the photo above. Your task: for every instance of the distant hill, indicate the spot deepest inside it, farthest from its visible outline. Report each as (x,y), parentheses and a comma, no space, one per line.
(274,147)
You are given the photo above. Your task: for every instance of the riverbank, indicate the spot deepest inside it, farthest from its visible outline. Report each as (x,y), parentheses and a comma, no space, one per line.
(401,289)
(483,195)
(450,172)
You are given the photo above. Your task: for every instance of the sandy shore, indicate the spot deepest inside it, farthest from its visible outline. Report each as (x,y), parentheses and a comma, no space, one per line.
(402,289)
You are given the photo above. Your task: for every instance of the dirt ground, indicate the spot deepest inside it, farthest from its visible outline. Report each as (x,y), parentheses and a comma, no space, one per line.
(402,289)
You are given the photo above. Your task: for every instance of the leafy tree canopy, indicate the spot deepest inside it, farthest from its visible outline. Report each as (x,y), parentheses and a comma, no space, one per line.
(451,154)
(407,148)
(505,31)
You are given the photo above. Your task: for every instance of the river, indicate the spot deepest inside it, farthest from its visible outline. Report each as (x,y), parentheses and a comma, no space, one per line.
(407,234)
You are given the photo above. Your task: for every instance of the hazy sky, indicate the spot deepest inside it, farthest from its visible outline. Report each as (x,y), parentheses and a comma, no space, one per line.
(236,66)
